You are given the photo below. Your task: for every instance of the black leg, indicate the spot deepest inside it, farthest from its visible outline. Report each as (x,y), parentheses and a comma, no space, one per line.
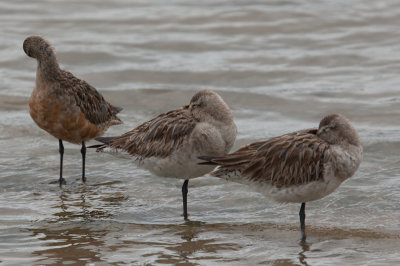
(61,181)
(184,196)
(302,215)
(83,151)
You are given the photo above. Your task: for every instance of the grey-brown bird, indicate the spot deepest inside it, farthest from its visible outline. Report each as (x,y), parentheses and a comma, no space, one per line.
(302,166)
(169,144)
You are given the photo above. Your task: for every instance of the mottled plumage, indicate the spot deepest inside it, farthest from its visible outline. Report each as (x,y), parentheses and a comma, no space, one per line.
(297,167)
(91,103)
(292,159)
(158,137)
(169,144)
(66,107)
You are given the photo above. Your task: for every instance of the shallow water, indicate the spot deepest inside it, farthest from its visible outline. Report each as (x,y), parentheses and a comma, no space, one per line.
(280,65)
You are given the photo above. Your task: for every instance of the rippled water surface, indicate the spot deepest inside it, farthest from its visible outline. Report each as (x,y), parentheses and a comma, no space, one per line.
(280,65)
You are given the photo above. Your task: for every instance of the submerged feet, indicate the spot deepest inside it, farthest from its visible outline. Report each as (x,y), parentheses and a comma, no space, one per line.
(61,180)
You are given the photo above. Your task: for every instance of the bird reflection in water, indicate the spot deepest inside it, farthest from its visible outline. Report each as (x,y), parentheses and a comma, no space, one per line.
(74,206)
(305,247)
(189,251)
(75,233)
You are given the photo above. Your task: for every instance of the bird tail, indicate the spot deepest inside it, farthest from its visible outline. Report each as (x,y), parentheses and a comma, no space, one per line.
(208,160)
(105,142)
(223,171)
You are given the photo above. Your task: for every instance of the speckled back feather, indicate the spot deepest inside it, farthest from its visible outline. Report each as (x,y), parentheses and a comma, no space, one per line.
(158,137)
(291,159)
(91,103)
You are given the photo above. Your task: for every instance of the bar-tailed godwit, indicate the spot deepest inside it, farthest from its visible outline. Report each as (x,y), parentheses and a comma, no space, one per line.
(66,107)
(169,144)
(302,166)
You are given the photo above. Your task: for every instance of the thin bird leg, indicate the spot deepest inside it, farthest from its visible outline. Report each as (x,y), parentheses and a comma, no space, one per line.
(83,151)
(184,196)
(61,180)
(302,215)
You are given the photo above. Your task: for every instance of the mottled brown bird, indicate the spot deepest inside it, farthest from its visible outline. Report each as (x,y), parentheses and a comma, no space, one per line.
(169,144)
(302,166)
(66,107)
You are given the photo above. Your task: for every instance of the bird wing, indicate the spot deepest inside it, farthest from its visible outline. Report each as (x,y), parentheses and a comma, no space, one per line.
(91,103)
(158,137)
(291,159)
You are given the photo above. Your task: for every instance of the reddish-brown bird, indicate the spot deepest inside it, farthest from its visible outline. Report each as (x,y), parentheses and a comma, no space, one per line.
(66,107)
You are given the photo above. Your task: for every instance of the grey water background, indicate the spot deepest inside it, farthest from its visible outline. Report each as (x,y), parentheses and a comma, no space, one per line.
(280,65)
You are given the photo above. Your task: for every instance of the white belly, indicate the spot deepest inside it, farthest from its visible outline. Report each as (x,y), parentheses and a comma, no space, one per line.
(183,166)
(299,193)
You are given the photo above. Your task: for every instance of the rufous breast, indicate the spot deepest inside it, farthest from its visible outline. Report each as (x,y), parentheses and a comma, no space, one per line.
(60,116)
